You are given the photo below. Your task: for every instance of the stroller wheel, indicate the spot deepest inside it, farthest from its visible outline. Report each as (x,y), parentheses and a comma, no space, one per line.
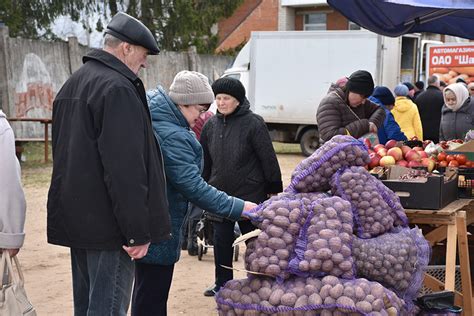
(236,253)
(200,252)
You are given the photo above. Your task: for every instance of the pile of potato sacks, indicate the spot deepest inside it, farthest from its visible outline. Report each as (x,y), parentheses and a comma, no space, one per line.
(336,242)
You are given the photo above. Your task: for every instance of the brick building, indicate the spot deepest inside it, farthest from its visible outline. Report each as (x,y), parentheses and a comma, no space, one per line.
(278,15)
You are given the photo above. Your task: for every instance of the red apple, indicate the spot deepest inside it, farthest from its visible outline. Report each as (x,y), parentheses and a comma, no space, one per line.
(428,163)
(382,152)
(391,143)
(396,153)
(402,163)
(378,146)
(412,155)
(374,160)
(387,161)
(423,154)
(418,148)
(413,164)
(405,149)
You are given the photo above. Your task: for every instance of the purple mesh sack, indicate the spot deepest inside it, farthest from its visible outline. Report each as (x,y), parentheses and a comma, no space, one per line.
(375,210)
(303,239)
(313,173)
(283,199)
(396,260)
(307,296)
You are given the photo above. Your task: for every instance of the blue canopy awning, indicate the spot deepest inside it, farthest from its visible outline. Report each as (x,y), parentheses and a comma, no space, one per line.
(398,17)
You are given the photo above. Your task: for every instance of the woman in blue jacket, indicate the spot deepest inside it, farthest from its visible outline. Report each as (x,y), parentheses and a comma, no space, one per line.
(383,97)
(173,116)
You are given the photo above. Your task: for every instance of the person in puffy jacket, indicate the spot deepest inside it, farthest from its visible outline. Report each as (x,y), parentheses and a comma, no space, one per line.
(173,116)
(457,114)
(406,114)
(239,159)
(383,97)
(345,110)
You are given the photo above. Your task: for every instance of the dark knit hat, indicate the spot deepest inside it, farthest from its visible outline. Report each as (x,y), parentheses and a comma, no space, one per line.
(360,82)
(229,86)
(420,85)
(132,31)
(384,95)
(409,86)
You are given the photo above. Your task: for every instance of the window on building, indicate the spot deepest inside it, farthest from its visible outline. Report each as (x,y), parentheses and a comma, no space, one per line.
(315,21)
(353,26)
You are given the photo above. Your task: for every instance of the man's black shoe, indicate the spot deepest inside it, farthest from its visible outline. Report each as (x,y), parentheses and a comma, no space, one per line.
(212,290)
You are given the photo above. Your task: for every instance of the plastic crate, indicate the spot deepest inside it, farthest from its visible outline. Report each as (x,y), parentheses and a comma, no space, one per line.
(466,183)
(439,273)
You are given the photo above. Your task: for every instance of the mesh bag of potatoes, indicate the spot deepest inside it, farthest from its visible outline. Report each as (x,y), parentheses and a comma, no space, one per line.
(314,173)
(397,260)
(329,295)
(304,237)
(375,210)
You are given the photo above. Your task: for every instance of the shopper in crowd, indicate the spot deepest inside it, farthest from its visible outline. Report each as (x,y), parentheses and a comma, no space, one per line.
(107,199)
(383,97)
(411,90)
(470,87)
(239,159)
(345,110)
(457,115)
(173,117)
(442,85)
(406,114)
(195,213)
(12,198)
(419,88)
(429,104)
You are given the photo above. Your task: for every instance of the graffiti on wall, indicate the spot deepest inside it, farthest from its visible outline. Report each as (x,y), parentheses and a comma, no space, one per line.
(34,91)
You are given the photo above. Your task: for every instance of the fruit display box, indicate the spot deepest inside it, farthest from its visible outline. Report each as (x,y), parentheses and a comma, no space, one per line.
(432,193)
(466,149)
(466,183)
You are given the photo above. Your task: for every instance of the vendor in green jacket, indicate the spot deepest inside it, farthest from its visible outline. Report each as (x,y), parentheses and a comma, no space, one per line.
(173,116)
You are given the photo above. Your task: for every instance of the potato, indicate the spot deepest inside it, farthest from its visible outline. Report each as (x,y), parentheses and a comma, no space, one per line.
(288,299)
(275,297)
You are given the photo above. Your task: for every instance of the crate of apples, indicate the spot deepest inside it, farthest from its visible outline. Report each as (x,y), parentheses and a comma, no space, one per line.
(394,153)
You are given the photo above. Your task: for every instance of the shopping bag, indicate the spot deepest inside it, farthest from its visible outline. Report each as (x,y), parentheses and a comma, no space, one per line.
(13,299)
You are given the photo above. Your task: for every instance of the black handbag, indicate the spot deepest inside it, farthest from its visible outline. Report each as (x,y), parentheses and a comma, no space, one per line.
(438,303)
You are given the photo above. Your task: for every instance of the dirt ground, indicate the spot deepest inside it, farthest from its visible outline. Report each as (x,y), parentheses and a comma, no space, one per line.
(47,267)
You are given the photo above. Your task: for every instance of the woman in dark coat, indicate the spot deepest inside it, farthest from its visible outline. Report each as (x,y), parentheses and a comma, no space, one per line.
(239,159)
(346,111)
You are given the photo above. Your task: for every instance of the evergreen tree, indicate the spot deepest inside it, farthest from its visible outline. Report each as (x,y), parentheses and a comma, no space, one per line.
(177,24)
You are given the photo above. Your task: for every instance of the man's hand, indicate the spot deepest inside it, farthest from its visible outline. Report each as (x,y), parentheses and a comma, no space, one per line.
(12,252)
(247,207)
(372,127)
(137,252)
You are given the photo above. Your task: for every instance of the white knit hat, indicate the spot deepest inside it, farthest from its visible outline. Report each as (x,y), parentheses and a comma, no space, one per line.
(191,87)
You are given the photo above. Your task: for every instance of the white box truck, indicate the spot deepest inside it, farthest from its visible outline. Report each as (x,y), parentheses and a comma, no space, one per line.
(286,74)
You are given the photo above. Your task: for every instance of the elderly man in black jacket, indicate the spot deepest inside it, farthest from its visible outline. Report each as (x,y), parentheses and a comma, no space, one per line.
(107,199)
(429,104)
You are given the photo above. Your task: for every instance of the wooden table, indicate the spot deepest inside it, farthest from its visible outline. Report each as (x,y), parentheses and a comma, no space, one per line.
(45,121)
(451,222)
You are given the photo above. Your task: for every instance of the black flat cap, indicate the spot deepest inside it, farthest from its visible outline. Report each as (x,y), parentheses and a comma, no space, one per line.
(130,30)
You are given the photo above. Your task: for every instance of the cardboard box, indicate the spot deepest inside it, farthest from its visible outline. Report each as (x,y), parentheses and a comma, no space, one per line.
(466,149)
(432,193)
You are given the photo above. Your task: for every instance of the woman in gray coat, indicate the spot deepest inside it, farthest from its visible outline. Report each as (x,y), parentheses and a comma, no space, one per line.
(457,114)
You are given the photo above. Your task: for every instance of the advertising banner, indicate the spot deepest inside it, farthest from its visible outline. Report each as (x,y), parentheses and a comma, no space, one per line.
(451,61)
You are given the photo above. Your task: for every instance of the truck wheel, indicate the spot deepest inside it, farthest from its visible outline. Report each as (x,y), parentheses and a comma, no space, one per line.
(309,141)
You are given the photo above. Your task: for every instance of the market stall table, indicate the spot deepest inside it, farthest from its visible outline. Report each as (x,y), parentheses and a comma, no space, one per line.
(45,121)
(451,222)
